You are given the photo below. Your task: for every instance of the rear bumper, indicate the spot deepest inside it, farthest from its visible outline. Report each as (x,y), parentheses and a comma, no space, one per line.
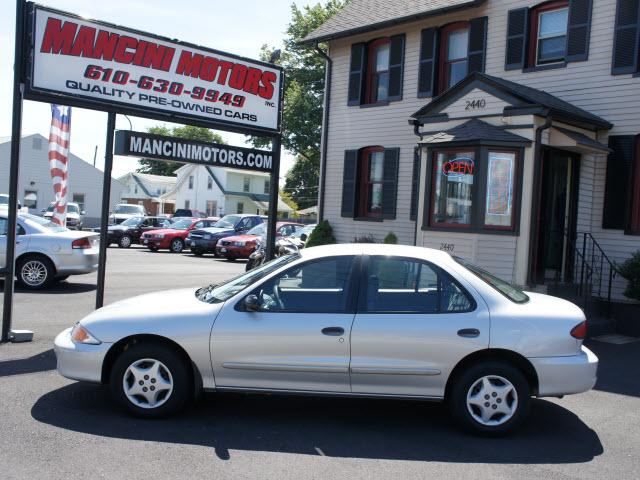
(79,262)
(79,361)
(566,375)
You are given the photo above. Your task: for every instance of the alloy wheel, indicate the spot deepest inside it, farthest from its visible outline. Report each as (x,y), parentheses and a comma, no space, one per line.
(492,400)
(34,273)
(147,383)
(176,246)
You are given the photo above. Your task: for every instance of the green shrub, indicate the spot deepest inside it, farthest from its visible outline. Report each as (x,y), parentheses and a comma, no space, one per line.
(630,270)
(321,235)
(390,238)
(364,239)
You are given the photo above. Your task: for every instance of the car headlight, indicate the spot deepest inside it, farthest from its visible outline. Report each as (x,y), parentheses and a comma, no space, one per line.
(239,244)
(160,235)
(79,334)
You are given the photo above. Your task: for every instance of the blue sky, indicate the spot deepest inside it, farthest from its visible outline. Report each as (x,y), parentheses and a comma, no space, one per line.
(239,27)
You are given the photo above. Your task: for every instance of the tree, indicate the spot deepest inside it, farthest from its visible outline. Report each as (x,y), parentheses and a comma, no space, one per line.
(286,198)
(303,100)
(321,235)
(163,167)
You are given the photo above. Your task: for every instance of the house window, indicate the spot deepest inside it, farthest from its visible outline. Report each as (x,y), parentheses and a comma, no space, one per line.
(548,36)
(246,185)
(209,183)
(190,182)
(135,188)
(454,54)
(240,208)
(37,143)
(212,208)
(267,186)
(30,199)
(371,182)
(473,189)
(378,71)
(79,199)
(187,204)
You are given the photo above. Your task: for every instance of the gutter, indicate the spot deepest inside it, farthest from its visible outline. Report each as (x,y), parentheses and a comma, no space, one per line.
(325,130)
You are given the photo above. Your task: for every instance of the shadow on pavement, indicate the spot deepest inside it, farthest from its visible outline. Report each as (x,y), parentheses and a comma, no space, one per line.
(41,362)
(618,367)
(58,287)
(334,427)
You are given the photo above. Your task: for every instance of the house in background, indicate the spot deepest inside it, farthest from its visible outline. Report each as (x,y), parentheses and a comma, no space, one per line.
(35,189)
(218,191)
(155,192)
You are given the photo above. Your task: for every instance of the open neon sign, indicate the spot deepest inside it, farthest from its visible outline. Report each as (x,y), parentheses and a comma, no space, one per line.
(458,167)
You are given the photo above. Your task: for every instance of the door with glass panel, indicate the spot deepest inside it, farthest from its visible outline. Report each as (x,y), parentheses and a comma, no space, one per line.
(414,323)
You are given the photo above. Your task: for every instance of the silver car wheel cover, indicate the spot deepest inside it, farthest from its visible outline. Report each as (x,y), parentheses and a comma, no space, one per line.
(34,273)
(125,241)
(492,400)
(147,383)
(176,245)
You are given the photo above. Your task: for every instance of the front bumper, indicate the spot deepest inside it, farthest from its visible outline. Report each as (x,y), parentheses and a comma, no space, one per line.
(202,245)
(155,242)
(79,361)
(232,251)
(566,375)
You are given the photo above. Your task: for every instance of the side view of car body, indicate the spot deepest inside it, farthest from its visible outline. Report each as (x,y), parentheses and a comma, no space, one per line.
(75,216)
(204,240)
(173,236)
(241,246)
(355,320)
(129,232)
(46,253)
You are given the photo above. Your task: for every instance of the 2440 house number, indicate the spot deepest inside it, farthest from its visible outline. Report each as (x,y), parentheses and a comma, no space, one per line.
(476,104)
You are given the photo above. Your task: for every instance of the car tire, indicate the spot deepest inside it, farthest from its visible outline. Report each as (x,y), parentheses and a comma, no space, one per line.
(166,380)
(125,241)
(490,398)
(35,272)
(176,245)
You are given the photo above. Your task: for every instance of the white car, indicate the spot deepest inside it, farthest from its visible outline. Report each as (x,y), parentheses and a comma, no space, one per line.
(46,252)
(125,211)
(355,320)
(75,216)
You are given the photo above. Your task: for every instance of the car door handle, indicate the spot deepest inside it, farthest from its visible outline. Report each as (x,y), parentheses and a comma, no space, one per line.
(333,331)
(469,332)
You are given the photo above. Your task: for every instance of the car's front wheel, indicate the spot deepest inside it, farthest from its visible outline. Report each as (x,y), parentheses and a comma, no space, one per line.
(34,272)
(490,398)
(177,245)
(151,380)
(125,241)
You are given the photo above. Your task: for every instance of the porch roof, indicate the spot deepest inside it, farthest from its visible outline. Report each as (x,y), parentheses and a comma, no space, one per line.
(474,131)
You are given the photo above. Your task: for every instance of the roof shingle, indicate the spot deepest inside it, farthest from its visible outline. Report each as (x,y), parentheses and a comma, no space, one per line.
(475,130)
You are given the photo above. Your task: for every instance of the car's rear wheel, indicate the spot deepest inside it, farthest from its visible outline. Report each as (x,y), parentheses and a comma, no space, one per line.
(151,380)
(125,241)
(177,245)
(34,272)
(491,398)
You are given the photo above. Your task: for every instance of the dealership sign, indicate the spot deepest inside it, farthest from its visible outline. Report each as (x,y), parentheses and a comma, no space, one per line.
(191,151)
(97,65)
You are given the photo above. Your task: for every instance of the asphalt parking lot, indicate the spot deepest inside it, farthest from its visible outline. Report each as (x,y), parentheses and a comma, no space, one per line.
(51,427)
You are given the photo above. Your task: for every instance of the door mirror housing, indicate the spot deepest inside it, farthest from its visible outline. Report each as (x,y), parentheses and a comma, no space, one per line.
(303,237)
(252,303)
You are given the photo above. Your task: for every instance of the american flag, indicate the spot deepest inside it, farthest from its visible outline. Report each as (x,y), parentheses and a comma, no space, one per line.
(59,159)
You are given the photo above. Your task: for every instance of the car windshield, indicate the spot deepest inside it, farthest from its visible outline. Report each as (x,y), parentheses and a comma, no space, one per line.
(307,230)
(127,209)
(257,230)
(511,292)
(222,292)
(227,221)
(181,224)
(133,221)
(72,209)
(43,222)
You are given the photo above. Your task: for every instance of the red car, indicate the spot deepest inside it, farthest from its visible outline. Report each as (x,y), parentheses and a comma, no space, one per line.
(172,237)
(241,246)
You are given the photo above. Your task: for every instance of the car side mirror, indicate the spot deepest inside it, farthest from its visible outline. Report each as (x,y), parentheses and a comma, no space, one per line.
(303,237)
(251,303)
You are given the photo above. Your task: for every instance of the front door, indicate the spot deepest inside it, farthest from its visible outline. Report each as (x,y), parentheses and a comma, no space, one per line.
(557,215)
(22,242)
(414,323)
(298,339)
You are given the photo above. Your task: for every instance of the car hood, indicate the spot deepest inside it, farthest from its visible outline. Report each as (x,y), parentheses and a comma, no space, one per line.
(215,230)
(119,228)
(172,314)
(241,238)
(163,231)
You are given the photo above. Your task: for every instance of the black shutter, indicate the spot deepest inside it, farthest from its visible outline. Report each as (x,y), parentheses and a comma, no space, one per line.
(517,32)
(477,44)
(396,66)
(390,182)
(415,181)
(625,43)
(579,30)
(349,177)
(356,73)
(617,183)
(428,62)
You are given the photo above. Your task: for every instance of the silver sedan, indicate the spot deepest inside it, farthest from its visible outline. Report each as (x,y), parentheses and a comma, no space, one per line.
(355,320)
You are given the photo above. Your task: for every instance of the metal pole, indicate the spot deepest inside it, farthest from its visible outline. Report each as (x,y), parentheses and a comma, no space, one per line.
(106,199)
(273,197)
(14,171)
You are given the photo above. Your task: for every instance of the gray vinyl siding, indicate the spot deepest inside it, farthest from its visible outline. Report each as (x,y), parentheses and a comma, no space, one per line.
(588,84)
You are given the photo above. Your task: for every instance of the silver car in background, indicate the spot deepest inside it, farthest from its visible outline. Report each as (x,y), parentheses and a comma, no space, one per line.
(74,218)
(356,320)
(46,252)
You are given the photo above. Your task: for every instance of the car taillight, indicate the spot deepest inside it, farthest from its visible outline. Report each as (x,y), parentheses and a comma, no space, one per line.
(81,243)
(579,331)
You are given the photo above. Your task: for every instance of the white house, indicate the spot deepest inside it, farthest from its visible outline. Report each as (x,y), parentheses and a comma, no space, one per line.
(35,190)
(155,192)
(218,191)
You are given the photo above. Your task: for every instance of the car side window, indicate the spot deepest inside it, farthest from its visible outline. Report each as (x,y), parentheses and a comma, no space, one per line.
(3,226)
(412,286)
(318,286)
(199,225)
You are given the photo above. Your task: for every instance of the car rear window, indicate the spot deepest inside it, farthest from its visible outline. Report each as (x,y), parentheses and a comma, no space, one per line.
(505,288)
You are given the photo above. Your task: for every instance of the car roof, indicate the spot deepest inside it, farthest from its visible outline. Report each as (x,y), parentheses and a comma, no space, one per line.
(374,249)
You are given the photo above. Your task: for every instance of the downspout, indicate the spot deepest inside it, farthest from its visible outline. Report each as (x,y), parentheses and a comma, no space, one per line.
(535,205)
(419,134)
(325,130)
